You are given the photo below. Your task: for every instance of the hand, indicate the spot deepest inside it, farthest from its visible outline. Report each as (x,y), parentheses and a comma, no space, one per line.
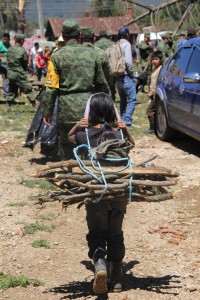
(3,60)
(83,123)
(121,125)
(47,120)
(150,94)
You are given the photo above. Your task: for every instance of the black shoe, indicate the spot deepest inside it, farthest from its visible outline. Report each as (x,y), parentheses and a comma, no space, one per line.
(116,277)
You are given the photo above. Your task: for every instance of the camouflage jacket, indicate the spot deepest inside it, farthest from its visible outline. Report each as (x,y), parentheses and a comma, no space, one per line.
(104,43)
(104,61)
(145,50)
(17,62)
(166,49)
(80,74)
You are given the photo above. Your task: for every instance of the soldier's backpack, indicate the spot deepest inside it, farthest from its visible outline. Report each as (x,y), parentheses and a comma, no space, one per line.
(116,60)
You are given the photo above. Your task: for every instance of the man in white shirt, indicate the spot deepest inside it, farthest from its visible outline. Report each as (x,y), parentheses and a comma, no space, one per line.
(32,57)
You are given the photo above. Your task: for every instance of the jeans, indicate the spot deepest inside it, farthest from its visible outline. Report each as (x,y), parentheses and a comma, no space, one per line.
(127,92)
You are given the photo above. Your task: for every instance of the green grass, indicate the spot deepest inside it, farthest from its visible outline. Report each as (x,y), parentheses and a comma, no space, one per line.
(9,281)
(37,183)
(18,119)
(15,154)
(47,217)
(34,227)
(41,244)
(139,116)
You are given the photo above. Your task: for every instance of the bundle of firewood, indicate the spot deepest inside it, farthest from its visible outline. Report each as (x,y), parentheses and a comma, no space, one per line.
(148,183)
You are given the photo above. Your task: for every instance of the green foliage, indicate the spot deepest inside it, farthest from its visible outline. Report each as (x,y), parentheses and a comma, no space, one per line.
(7,281)
(34,227)
(40,244)
(9,14)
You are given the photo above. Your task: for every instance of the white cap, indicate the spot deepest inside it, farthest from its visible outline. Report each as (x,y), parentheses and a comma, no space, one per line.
(60,39)
(40,50)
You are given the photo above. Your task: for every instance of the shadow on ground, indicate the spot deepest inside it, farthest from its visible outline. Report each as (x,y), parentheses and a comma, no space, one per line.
(76,289)
(187,144)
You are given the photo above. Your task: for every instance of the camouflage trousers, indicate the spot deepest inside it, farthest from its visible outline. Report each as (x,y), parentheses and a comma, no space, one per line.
(25,86)
(66,148)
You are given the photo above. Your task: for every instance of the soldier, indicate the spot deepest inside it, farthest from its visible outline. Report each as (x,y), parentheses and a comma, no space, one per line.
(74,73)
(167,46)
(4,46)
(145,48)
(104,42)
(87,37)
(17,71)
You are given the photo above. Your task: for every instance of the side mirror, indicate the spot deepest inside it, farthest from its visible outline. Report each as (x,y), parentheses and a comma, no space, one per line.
(191,78)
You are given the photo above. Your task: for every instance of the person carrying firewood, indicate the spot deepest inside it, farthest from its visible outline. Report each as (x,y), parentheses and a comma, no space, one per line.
(105,236)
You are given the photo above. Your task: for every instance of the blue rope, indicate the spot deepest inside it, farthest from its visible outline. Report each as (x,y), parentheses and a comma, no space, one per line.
(99,168)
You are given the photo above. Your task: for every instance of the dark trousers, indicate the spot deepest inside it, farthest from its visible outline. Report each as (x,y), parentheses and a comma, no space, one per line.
(40,72)
(104,222)
(151,110)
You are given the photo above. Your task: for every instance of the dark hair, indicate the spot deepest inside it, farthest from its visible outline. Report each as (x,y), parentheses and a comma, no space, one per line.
(6,35)
(157,54)
(101,109)
(36,44)
(106,133)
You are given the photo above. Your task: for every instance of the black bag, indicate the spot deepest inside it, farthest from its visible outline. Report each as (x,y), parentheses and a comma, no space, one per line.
(40,132)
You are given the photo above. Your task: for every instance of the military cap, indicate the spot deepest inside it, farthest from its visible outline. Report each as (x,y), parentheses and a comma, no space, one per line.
(20,36)
(103,33)
(109,33)
(87,32)
(167,35)
(70,28)
(147,35)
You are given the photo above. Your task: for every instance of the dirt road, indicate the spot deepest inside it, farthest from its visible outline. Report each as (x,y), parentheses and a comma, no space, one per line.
(162,239)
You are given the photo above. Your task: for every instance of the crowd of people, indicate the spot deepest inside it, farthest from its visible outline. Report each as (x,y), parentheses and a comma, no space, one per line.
(78,70)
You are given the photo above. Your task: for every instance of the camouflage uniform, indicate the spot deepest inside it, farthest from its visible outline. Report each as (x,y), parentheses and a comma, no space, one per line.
(87,34)
(104,41)
(17,68)
(79,74)
(145,54)
(167,49)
